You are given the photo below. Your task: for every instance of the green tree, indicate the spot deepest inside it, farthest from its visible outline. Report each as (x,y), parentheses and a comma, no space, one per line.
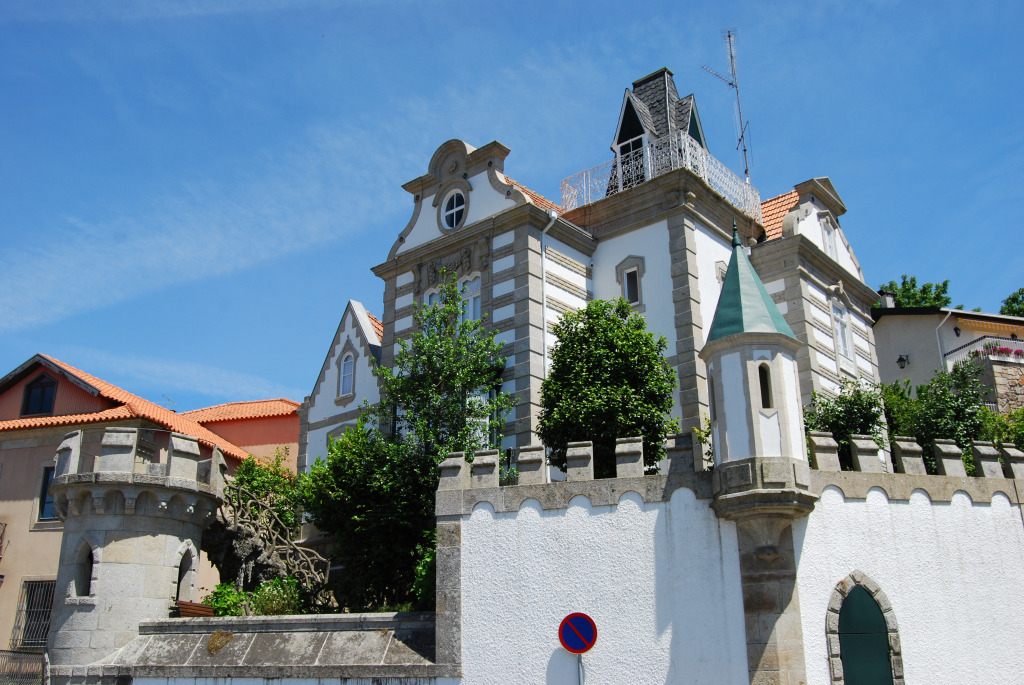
(275,485)
(908,294)
(608,379)
(375,492)
(443,392)
(1013,305)
(857,410)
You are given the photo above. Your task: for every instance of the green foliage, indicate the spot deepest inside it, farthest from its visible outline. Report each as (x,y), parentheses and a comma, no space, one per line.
(227,600)
(277,597)
(608,379)
(376,497)
(857,410)
(949,407)
(443,393)
(901,408)
(1003,428)
(274,484)
(1013,305)
(425,584)
(704,439)
(909,294)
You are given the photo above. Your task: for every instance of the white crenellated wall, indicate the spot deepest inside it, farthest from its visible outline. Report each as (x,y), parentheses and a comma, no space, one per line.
(661,581)
(951,571)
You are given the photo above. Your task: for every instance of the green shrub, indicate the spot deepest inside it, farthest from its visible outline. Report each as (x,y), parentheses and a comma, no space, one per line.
(857,410)
(227,600)
(276,597)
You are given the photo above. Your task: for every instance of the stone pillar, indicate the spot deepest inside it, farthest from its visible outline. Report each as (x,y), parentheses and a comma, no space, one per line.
(455,477)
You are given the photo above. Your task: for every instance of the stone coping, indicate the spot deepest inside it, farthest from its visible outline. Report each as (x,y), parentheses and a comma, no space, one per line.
(659,488)
(406,620)
(402,671)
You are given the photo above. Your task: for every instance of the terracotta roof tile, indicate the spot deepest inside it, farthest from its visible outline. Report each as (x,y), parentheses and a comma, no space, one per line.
(378,326)
(243,410)
(774,210)
(535,198)
(132,406)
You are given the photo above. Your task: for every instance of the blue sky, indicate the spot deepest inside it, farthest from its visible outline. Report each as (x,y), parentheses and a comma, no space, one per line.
(191,191)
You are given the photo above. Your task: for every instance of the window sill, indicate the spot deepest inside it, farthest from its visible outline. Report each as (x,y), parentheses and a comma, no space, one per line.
(638,307)
(846,365)
(47,524)
(344,399)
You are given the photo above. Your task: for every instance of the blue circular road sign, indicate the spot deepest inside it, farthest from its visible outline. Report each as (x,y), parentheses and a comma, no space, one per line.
(577,633)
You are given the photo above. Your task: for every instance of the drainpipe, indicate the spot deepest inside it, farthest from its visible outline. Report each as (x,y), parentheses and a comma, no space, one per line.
(553,216)
(938,339)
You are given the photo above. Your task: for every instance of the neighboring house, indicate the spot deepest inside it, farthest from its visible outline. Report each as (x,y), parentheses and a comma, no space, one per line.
(262,428)
(653,225)
(345,382)
(913,343)
(40,402)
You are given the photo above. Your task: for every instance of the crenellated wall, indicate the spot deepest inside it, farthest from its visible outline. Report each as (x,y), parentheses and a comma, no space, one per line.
(682,594)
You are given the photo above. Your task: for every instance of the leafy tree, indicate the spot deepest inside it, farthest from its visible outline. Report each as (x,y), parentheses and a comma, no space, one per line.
(909,294)
(949,408)
(857,410)
(274,484)
(443,392)
(1013,305)
(608,379)
(375,492)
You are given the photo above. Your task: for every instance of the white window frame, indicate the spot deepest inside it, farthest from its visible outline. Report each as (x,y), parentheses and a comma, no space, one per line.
(348,351)
(347,373)
(828,235)
(456,216)
(842,332)
(632,264)
(471,297)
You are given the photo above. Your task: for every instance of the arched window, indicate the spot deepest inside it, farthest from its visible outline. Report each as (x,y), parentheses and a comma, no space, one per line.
(471,299)
(83,572)
(764,376)
(348,366)
(184,579)
(39,396)
(711,398)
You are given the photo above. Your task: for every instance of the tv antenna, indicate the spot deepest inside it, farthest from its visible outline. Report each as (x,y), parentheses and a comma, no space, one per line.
(730,41)
(169,400)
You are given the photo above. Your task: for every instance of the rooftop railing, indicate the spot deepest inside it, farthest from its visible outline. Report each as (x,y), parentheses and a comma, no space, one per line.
(678,151)
(987,347)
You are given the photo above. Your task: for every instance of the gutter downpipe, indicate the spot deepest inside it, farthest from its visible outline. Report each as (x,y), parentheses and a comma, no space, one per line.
(938,339)
(553,216)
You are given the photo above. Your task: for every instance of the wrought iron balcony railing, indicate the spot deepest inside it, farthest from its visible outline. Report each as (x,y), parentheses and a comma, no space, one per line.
(987,347)
(678,151)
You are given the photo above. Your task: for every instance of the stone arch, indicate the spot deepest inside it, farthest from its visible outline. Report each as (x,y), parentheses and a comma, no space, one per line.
(113,502)
(178,507)
(842,591)
(146,504)
(186,561)
(86,564)
(83,503)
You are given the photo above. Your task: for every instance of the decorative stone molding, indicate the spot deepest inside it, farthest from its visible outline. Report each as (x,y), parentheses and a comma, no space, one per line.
(835,605)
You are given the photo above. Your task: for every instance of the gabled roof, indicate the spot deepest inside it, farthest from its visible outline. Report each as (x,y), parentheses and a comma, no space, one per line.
(660,109)
(131,406)
(534,197)
(774,210)
(745,305)
(378,326)
(369,326)
(233,411)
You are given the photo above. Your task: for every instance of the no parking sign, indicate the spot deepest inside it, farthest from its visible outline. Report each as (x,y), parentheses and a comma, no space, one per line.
(577,633)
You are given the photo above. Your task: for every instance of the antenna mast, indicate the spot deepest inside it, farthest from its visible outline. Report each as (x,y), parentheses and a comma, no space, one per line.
(733,82)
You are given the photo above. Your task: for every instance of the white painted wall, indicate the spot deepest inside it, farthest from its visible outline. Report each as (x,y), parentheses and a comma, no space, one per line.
(651,243)
(660,580)
(484,201)
(951,571)
(711,249)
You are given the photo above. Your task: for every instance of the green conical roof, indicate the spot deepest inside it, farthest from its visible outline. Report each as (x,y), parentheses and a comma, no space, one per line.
(745,305)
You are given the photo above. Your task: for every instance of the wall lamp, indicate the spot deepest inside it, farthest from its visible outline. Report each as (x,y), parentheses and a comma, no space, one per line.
(956,331)
(903,360)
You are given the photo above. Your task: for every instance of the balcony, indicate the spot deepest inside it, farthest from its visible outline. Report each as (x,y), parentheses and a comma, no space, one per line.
(988,347)
(678,151)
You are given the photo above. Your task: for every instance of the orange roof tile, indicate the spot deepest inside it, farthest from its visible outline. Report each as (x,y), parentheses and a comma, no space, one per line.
(774,210)
(378,326)
(535,198)
(243,410)
(132,406)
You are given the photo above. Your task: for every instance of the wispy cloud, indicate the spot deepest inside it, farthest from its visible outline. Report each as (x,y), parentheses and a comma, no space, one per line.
(294,201)
(170,375)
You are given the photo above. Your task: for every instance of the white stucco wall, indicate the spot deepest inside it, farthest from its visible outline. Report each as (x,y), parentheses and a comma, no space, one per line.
(951,571)
(660,580)
(651,243)
(711,249)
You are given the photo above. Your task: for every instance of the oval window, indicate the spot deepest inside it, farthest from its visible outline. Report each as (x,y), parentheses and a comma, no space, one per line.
(454,209)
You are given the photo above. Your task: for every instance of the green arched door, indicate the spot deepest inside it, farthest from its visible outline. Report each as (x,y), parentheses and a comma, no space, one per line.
(864,641)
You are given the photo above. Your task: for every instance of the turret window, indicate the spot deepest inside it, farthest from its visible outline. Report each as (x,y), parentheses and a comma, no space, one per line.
(764,377)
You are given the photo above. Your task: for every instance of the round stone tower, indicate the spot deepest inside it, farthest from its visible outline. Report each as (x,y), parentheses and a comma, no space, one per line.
(133,518)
